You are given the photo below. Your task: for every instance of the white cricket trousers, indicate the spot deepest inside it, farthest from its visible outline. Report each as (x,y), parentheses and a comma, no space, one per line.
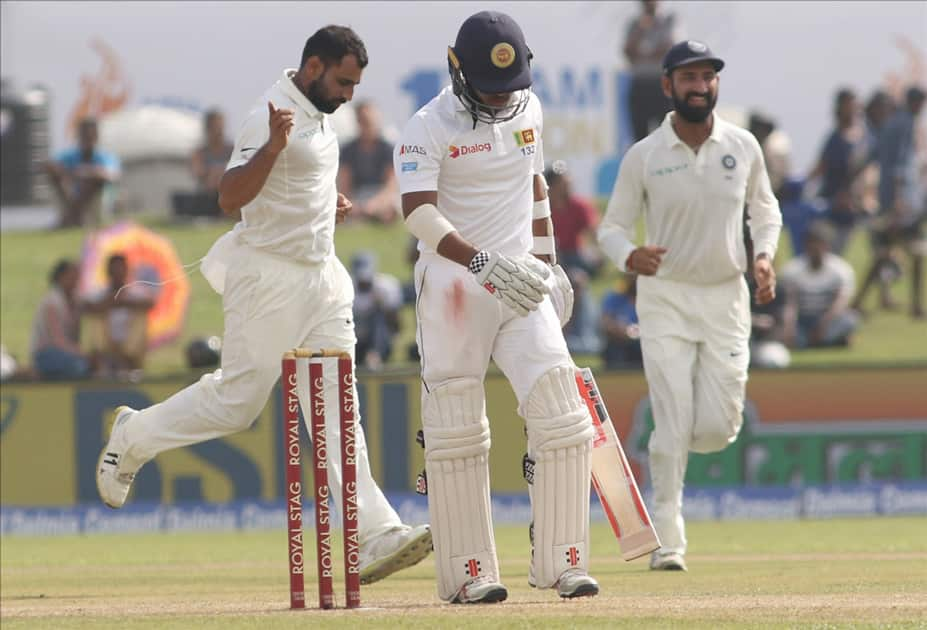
(271,305)
(695,341)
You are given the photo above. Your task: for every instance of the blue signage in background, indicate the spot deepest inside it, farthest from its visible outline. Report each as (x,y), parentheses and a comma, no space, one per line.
(586,119)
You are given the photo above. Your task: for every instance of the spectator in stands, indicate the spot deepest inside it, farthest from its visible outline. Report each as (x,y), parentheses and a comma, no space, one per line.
(581,332)
(798,213)
(56,351)
(842,156)
(885,269)
(620,327)
(117,319)
(777,149)
(902,194)
(377,300)
(575,220)
(818,286)
(83,179)
(365,172)
(649,37)
(209,161)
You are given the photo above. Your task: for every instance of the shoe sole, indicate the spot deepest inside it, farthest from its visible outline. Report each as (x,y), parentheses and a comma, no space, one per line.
(411,554)
(669,567)
(492,596)
(583,590)
(103,454)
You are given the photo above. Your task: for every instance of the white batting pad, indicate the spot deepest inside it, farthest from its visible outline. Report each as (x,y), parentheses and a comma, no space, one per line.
(456,462)
(560,443)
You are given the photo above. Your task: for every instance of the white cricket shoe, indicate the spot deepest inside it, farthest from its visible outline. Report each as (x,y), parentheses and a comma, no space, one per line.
(576,583)
(112,485)
(481,590)
(668,561)
(395,549)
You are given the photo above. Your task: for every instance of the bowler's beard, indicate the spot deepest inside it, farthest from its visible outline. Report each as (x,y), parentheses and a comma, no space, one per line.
(317,97)
(694,113)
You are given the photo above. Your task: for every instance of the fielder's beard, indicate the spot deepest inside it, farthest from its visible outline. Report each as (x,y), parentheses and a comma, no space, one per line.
(316,96)
(694,113)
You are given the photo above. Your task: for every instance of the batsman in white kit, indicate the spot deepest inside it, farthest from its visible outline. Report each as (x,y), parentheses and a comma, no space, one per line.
(470,166)
(282,287)
(690,180)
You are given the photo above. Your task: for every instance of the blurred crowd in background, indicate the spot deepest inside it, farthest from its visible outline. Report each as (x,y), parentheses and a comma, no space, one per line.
(870,176)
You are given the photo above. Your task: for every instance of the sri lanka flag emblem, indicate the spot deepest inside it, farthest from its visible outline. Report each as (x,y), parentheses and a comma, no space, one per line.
(524,137)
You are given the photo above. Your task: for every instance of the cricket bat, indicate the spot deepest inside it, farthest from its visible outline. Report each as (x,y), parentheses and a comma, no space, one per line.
(613,480)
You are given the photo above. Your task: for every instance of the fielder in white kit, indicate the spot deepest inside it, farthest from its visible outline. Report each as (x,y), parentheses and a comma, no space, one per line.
(690,179)
(470,166)
(282,287)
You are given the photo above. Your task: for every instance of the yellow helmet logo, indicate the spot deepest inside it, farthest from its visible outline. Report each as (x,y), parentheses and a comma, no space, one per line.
(502,55)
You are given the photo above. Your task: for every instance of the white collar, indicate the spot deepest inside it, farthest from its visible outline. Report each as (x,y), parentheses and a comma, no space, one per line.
(672,139)
(289,88)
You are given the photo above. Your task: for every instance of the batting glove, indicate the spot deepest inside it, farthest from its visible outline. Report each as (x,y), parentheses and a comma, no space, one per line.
(517,282)
(561,294)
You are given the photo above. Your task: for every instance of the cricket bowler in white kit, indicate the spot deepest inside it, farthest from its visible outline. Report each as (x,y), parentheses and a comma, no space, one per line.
(469,167)
(690,179)
(282,287)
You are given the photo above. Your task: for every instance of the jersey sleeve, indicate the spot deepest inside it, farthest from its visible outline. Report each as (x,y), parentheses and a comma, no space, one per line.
(253,135)
(765,219)
(417,157)
(617,229)
(539,153)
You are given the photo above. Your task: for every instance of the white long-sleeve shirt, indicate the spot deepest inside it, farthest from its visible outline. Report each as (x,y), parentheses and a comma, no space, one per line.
(693,203)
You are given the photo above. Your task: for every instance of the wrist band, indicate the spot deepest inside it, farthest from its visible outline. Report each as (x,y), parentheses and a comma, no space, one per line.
(541,209)
(429,225)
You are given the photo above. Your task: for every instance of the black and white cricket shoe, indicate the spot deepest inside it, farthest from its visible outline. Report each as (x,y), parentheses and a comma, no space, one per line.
(668,561)
(481,590)
(394,550)
(576,583)
(112,485)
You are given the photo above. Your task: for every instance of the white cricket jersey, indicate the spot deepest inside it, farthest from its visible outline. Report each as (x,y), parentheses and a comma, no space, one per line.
(693,203)
(483,174)
(294,214)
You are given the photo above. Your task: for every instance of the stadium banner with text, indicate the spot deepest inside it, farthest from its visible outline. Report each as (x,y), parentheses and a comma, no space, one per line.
(850,429)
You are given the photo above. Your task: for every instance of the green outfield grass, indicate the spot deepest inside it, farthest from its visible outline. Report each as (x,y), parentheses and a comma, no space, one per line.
(25,259)
(823,574)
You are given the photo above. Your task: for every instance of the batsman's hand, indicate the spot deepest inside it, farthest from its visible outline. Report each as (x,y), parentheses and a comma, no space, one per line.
(342,208)
(516,282)
(645,260)
(561,294)
(280,122)
(765,277)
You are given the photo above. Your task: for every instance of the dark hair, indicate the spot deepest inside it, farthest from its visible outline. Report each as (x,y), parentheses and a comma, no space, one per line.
(878,99)
(820,231)
(332,44)
(914,95)
(211,114)
(117,258)
(844,95)
(58,270)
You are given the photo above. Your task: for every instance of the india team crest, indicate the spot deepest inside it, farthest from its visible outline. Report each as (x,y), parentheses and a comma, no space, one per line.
(728,162)
(502,55)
